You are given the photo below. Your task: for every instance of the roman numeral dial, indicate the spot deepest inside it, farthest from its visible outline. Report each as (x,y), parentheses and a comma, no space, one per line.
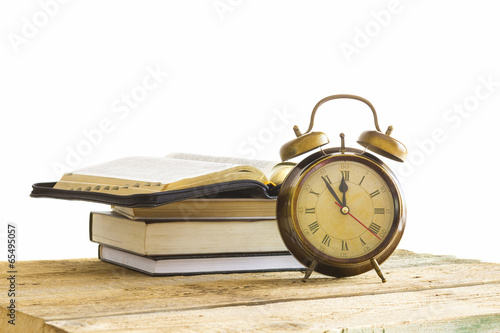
(347,209)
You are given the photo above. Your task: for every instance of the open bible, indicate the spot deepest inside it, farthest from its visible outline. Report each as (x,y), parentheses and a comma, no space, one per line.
(167,179)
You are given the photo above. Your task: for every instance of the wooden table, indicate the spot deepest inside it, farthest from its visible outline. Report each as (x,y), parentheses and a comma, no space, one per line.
(423,293)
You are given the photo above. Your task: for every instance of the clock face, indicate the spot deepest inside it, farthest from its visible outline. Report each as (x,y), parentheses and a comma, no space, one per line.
(344,209)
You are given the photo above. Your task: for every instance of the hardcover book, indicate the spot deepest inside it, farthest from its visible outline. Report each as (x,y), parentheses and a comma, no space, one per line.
(182,237)
(217,209)
(196,265)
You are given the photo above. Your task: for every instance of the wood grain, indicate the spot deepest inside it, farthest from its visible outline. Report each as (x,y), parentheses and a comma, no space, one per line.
(423,292)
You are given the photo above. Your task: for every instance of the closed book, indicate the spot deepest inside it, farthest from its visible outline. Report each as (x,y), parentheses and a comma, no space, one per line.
(220,208)
(181,237)
(195,265)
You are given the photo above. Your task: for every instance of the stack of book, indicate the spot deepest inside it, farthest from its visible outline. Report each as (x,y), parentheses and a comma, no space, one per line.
(182,214)
(194,236)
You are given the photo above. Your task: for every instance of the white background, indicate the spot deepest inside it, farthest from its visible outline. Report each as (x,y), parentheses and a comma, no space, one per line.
(233,77)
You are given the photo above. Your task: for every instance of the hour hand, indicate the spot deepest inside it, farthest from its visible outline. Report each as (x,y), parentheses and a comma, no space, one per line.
(329,187)
(343,188)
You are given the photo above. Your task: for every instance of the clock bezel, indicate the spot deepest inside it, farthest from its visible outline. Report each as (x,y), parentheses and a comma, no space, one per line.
(292,234)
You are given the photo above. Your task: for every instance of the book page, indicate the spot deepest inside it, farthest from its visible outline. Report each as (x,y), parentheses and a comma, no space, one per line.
(265,166)
(153,169)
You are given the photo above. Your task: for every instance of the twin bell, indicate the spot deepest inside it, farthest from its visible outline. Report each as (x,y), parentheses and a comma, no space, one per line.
(376,141)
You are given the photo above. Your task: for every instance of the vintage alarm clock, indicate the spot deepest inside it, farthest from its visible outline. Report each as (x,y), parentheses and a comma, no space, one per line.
(341,211)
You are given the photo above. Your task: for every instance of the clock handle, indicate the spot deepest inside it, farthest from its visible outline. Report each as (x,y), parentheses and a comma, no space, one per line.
(332,97)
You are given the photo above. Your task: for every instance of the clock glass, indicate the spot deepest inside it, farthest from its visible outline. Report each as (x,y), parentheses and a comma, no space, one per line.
(346,209)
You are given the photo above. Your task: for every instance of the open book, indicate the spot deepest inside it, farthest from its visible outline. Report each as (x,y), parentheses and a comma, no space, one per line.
(133,175)
(180,174)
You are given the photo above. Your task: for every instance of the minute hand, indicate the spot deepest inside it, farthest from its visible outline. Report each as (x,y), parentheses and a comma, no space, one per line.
(332,191)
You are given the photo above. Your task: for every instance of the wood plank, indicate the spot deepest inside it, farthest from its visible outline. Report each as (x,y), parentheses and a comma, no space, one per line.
(91,296)
(333,314)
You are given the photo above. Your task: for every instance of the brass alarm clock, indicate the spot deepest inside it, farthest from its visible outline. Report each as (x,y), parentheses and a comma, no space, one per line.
(341,211)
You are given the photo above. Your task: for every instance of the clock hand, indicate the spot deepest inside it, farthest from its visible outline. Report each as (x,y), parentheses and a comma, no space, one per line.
(332,192)
(349,213)
(343,188)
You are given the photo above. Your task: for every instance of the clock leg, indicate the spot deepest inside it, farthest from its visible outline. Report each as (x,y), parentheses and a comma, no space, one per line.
(310,270)
(377,269)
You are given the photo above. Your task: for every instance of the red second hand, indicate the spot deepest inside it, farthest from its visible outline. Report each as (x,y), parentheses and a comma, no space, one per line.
(358,221)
